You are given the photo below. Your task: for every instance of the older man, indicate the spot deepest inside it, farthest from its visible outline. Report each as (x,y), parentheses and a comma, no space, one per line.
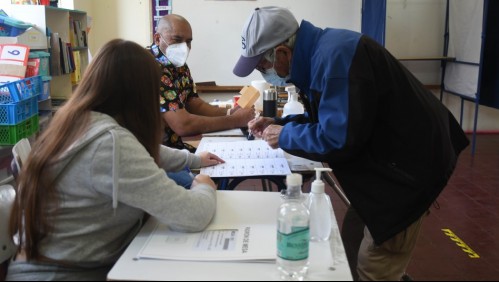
(184,113)
(392,144)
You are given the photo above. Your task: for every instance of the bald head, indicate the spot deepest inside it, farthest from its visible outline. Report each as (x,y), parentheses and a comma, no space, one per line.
(169,22)
(173,29)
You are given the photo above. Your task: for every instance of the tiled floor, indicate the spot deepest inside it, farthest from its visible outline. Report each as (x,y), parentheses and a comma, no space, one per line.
(469,208)
(460,237)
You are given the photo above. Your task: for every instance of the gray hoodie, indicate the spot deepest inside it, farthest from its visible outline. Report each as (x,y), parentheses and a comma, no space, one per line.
(106,182)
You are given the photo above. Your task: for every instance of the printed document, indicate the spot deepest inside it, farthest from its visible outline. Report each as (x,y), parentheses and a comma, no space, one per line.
(238,232)
(216,243)
(245,158)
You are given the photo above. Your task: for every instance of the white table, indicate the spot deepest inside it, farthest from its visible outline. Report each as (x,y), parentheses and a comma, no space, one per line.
(244,206)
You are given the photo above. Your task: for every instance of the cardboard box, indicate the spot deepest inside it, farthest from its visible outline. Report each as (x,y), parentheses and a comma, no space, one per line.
(32,37)
(249,95)
(13,60)
(13,70)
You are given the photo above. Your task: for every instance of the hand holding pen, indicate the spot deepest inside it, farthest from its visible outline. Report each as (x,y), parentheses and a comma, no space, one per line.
(258,125)
(251,136)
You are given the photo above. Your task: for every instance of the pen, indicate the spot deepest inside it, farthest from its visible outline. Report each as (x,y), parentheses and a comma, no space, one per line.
(250,135)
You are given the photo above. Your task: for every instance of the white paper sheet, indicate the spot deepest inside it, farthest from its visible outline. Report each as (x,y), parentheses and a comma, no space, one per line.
(229,132)
(236,233)
(245,158)
(216,243)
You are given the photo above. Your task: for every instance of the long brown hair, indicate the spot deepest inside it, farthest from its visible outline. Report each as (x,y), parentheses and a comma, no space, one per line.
(122,81)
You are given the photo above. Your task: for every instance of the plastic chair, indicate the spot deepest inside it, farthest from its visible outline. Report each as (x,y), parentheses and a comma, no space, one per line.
(7,246)
(20,151)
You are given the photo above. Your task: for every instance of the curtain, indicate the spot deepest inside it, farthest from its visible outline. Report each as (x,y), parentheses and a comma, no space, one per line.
(489,84)
(374,19)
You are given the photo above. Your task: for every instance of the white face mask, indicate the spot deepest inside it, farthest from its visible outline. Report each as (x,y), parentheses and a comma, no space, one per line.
(176,53)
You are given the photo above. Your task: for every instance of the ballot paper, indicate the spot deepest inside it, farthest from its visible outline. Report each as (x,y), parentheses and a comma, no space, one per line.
(245,158)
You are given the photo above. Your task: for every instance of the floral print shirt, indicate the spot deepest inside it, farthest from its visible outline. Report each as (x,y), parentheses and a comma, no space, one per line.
(177,88)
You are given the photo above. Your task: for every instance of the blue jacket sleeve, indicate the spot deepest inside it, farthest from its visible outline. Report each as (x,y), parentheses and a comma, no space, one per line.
(346,114)
(327,134)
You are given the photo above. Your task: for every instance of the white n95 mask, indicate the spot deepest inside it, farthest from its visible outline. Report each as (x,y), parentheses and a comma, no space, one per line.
(177,54)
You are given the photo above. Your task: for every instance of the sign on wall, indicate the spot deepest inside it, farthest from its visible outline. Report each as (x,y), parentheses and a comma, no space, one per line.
(159,8)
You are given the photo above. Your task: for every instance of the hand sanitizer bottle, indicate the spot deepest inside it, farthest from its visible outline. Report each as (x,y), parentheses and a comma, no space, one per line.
(320,208)
(293,235)
(292,107)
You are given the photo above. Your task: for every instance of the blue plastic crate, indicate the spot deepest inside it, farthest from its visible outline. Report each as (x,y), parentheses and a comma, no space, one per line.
(12,27)
(21,89)
(14,113)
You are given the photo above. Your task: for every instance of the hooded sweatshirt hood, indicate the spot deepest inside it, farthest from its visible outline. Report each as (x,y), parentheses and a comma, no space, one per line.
(100,124)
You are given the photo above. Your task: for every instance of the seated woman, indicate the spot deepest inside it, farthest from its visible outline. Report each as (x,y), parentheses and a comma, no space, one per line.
(98,169)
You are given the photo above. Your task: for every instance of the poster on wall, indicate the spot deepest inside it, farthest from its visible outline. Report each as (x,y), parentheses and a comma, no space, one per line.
(159,8)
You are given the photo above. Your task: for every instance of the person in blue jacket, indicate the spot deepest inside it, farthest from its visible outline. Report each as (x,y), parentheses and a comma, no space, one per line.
(392,144)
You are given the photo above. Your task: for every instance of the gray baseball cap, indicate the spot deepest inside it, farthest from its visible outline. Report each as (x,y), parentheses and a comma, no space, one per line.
(266,28)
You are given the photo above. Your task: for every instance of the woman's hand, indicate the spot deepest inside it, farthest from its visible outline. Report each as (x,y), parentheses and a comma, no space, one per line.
(203,179)
(209,159)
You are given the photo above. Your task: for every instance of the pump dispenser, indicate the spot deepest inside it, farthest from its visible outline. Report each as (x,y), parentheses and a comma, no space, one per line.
(321,210)
(292,107)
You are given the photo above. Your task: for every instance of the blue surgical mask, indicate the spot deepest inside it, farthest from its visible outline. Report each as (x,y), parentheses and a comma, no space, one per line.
(273,78)
(270,75)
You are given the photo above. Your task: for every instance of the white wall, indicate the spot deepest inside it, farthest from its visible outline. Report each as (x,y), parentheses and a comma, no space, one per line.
(414,28)
(130,19)
(217,27)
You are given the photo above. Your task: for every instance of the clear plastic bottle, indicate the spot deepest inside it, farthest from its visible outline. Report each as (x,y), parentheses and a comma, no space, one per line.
(320,208)
(293,237)
(292,107)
